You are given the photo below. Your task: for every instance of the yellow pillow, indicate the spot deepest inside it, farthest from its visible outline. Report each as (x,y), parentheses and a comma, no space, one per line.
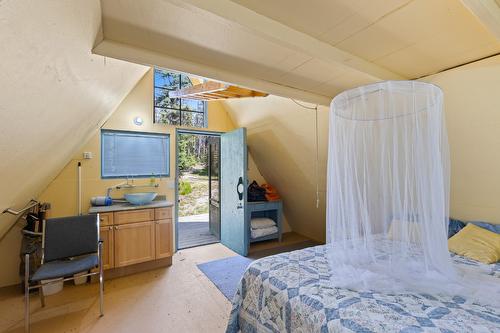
(476,243)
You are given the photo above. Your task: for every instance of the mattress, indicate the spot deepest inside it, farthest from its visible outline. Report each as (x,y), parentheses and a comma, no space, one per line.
(291,292)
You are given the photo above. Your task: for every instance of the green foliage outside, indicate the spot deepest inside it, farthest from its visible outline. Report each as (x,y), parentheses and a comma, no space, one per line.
(185,188)
(193,167)
(192,153)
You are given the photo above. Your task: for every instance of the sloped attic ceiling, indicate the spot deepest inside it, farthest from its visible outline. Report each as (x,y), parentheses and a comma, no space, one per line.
(309,50)
(54,94)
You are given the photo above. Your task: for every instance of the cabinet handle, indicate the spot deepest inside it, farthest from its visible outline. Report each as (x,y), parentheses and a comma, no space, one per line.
(116,227)
(110,228)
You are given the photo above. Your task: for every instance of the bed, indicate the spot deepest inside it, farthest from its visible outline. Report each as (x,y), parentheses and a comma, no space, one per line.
(291,292)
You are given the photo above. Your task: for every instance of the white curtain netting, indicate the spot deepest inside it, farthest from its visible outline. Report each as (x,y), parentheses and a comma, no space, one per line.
(388,193)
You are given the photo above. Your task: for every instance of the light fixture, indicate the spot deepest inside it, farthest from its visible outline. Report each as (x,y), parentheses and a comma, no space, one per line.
(138,121)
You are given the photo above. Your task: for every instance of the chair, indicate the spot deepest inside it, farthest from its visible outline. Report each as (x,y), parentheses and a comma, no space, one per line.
(70,245)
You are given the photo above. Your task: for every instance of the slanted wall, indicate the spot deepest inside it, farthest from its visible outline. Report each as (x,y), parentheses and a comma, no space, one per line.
(54,95)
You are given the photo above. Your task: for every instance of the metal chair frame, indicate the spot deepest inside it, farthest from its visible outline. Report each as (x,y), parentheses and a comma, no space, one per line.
(39,286)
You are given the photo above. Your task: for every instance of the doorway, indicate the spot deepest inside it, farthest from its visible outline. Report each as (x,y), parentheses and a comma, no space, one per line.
(197,188)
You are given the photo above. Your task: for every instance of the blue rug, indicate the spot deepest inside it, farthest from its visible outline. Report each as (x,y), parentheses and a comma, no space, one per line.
(226,273)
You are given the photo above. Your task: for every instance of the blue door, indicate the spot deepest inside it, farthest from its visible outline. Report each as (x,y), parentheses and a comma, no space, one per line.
(233,200)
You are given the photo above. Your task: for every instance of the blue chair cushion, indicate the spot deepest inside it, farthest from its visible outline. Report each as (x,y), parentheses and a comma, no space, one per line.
(61,268)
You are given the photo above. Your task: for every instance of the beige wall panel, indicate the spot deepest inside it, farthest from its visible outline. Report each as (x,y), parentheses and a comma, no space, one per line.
(472,106)
(54,95)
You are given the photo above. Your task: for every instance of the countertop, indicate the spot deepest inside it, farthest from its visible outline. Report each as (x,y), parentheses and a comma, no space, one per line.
(127,206)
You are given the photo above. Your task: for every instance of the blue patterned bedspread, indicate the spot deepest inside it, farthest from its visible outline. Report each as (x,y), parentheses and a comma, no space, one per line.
(291,292)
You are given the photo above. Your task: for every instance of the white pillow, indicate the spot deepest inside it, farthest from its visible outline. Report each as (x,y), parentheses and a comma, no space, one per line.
(261,223)
(413,231)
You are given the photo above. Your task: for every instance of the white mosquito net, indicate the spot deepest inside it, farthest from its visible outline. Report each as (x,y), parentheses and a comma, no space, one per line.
(388,191)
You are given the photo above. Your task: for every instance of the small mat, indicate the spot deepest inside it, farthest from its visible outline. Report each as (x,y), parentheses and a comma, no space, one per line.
(226,273)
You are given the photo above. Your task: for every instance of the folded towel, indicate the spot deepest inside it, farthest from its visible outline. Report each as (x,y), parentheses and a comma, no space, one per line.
(261,222)
(256,233)
(271,193)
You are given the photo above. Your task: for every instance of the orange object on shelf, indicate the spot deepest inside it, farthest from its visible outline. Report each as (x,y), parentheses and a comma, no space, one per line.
(271,192)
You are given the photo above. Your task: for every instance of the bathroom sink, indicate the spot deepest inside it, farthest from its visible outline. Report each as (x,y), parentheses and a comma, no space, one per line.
(140,198)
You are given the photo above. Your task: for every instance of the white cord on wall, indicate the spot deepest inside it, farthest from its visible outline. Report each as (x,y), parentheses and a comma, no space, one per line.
(315,108)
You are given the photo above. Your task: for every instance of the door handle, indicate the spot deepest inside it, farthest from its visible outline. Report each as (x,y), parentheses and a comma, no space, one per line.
(240,188)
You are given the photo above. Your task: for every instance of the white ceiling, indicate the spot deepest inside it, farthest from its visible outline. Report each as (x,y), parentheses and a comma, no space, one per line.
(304,49)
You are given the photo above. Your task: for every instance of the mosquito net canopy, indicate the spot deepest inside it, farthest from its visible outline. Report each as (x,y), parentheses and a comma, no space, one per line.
(388,190)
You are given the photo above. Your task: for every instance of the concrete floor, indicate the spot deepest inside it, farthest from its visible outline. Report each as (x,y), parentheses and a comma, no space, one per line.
(179,298)
(176,299)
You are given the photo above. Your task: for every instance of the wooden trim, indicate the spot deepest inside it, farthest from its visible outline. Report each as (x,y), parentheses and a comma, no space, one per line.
(134,269)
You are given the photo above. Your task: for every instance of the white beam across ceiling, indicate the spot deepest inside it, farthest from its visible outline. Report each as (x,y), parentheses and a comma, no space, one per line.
(285,36)
(488,12)
(126,52)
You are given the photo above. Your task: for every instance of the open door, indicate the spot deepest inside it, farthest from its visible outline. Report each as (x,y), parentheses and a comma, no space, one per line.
(233,162)
(214,185)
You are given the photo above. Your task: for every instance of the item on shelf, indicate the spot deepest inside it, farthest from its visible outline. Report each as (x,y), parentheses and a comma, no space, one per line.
(271,192)
(261,223)
(256,193)
(101,201)
(256,233)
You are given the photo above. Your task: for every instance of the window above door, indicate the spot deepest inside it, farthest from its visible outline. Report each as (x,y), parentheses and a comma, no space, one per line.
(176,111)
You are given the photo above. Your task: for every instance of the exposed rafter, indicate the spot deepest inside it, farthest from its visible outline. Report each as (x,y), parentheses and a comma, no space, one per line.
(279,33)
(212,90)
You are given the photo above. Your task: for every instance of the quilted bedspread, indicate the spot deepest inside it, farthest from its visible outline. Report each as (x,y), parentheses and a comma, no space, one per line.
(291,292)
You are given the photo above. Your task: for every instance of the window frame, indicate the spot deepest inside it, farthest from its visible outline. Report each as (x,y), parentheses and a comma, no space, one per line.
(180,110)
(166,135)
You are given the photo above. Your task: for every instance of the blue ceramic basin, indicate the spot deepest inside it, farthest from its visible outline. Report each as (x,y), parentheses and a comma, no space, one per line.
(140,198)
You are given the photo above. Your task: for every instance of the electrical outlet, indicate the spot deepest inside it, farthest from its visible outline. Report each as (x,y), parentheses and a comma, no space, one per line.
(87,155)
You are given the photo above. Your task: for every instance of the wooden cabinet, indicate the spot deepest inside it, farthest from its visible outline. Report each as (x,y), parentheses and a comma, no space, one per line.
(105,219)
(133,216)
(108,253)
(134,243)
(135,236)
(163,213)
(163,241)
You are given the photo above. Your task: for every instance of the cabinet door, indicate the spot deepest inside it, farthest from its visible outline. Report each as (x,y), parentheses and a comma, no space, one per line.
(134,243)
(163,234)
(105,219)
(106,235)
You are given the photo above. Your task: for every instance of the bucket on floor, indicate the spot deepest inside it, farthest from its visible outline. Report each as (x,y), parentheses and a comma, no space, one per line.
(53,288)
(78,279)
